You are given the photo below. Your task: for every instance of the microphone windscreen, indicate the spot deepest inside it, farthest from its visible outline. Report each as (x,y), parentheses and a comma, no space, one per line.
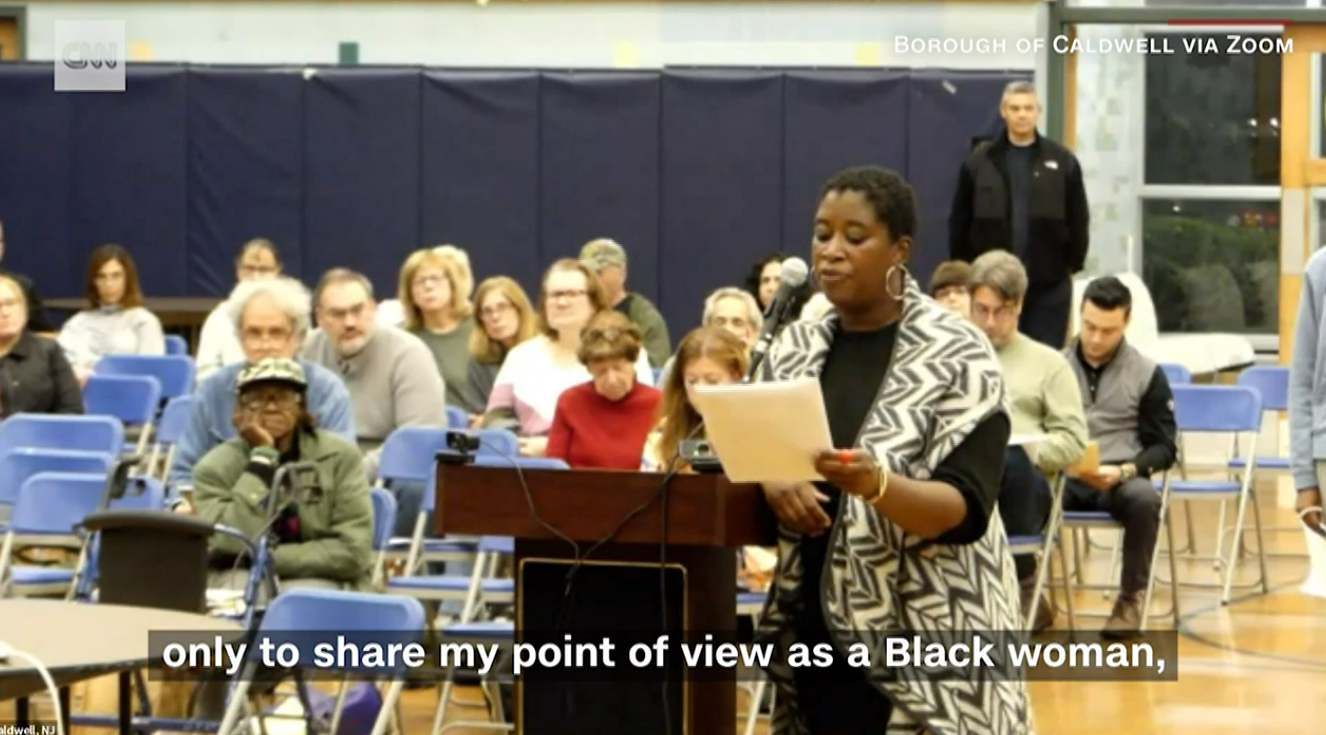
(795,272)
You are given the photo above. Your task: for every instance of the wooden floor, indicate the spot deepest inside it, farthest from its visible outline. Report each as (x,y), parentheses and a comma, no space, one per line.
(1255,667)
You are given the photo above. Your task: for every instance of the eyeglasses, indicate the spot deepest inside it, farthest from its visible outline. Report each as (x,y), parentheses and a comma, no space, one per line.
(568,294)
(981,311)
(430,280)
(257,270)
(496,310)
(259,400)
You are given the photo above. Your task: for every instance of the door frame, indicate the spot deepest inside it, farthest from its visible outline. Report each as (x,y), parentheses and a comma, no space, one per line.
(18,14)
(1300,168)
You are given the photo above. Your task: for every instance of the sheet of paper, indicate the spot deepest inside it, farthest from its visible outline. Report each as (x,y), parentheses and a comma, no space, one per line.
(766,432)
(1030,443)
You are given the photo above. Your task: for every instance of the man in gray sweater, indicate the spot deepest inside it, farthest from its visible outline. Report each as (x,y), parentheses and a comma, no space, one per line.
(390,373)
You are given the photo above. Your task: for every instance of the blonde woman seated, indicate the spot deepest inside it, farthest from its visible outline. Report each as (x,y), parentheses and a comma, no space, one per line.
(707,356)
(506,319)
(116,322)
(603,424)
(525,394)
(434,292)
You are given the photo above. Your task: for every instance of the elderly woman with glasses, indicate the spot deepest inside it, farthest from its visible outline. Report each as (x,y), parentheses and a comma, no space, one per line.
(603,424)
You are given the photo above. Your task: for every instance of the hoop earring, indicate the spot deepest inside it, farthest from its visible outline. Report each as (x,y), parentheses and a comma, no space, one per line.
(888,282)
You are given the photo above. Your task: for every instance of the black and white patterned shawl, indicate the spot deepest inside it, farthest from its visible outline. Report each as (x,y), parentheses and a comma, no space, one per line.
(943,381)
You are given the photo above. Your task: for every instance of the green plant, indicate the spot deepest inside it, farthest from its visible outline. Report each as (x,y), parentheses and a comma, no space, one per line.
(1187,260)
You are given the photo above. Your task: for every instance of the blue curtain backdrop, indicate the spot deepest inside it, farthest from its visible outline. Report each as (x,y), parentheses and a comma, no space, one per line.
(696,171)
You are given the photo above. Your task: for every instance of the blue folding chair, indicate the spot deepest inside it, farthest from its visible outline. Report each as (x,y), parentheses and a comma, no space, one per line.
(17,466)
(74,433)
(174,373)
(49,508)
(384,522)
(409,455)
(176,345)
(457,418)
(311,617)
(1234,410)
(133,399)
(1176,374)
(171,426)
(1272,382)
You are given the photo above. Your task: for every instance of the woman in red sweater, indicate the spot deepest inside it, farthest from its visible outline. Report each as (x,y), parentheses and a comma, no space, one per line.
(603,424)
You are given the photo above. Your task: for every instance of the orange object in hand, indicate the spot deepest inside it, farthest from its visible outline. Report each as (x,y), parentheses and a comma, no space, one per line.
(845,456)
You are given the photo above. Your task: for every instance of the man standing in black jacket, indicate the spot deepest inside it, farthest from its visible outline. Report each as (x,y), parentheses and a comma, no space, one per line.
(1023,193)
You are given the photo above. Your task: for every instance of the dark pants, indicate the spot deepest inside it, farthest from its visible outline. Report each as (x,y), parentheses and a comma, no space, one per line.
(1136,505)
(1047,312)
(1024,503)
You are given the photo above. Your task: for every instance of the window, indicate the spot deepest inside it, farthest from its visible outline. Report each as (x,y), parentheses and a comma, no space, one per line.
(1212,266)
(1212,118)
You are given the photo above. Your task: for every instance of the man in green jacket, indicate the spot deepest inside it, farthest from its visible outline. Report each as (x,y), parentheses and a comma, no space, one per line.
(323,536)
(608,260)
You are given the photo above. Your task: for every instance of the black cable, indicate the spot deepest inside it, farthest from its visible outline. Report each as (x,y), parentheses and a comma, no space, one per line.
(579,560)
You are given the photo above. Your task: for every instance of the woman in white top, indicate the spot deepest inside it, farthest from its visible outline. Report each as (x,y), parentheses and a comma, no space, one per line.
(535,372)
(116,322)
(219,343)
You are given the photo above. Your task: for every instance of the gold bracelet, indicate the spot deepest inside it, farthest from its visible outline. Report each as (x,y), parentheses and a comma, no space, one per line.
(883,485)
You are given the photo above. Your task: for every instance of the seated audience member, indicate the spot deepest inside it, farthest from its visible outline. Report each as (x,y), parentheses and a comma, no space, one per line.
(322,544)
(271,317)
(525,393)
(434,292)
(1130,414)
(706,356)
(949,286)
(35,377)
(1043,399)
(603,423)
(763,280)
(218,345)
(117,323)
(506,319)
(727,308)
(710,355)
(608,261)
(390,373)
(37,320)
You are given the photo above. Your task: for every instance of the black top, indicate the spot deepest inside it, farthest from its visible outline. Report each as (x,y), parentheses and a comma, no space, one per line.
(1157,429)
(35,377)
(833,699)
(1019,196)
(37,319)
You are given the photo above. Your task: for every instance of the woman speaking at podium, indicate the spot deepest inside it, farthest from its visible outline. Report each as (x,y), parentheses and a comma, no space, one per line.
(904,536)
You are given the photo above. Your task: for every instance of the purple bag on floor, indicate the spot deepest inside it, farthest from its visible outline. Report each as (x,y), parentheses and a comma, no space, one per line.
(363,702)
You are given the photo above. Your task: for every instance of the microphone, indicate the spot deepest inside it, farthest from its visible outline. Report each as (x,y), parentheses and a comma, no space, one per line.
(795,272)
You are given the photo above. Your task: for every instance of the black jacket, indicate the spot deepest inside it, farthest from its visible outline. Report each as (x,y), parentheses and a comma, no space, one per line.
(1058,221)
(35,377)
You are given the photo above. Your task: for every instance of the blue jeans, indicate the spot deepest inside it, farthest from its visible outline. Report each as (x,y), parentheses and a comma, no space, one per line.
(1024,503)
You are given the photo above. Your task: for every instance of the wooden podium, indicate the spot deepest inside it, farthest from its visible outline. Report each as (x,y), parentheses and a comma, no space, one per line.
(622,589)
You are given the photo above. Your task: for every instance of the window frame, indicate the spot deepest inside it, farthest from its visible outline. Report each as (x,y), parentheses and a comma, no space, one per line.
(1261,342)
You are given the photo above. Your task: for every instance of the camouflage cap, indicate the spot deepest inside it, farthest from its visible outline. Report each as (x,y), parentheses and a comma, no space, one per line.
(272,370)
(600,254)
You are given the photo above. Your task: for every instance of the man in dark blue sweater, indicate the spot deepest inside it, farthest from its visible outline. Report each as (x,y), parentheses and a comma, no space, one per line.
(1024,193)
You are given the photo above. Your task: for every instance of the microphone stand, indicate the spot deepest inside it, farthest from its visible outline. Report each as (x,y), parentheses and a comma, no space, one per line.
(777,312)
